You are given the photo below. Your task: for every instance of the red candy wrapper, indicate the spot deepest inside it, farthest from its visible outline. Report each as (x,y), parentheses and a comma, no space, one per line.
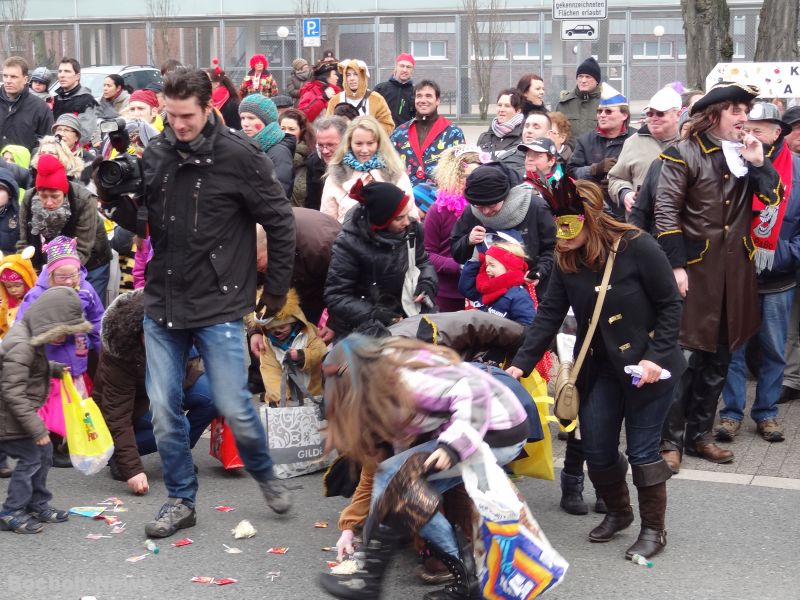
(279,550)
(223,581)
(203,579)
(224,508)
(183,542)
(321,524)
(331,563)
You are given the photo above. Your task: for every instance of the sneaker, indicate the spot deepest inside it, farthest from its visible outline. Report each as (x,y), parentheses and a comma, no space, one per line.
(175,514)
(727,430)
(50,515)
(20,522)
(770,430)
(277,496)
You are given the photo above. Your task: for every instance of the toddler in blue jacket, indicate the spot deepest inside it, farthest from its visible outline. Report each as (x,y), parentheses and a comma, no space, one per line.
(496,283)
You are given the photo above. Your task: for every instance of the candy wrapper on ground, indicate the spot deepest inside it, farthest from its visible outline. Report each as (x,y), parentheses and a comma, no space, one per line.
(183,542)
(278,550)
(87,511)
(243,530)
(224,508)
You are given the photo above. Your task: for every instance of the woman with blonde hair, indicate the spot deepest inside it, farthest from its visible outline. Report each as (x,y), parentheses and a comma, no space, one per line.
(395,391)
(50,144)
(365,154)
(634,359)
(454,165)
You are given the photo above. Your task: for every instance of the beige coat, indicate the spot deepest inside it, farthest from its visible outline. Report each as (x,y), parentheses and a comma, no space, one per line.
(335,199)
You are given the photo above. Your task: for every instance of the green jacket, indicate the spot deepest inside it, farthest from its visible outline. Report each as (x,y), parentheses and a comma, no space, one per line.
(581,110)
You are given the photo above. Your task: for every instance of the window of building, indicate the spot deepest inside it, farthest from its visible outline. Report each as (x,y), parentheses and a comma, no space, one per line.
(444,27)
(651,49)
(425,50)
(616,51)
(739,25)
(366,28)
(500,50)
(739,50)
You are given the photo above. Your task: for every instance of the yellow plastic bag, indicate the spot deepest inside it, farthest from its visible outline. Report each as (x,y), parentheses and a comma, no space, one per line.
(90,443)
(539,462)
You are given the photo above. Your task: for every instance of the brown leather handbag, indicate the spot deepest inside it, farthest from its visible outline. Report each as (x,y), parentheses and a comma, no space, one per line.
(567,399)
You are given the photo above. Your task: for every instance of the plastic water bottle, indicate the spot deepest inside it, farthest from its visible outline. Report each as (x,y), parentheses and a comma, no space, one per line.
(151,546)
(638,559)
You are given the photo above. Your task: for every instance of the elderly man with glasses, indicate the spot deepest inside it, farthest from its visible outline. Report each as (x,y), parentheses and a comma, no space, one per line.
(597,151)
(640,150)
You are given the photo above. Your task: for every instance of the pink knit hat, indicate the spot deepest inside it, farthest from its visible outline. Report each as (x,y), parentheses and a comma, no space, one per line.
(61,251)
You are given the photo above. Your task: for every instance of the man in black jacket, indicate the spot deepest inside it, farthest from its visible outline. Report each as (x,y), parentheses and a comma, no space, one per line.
(24,118)
(204,188)
(398,91)
(72,97)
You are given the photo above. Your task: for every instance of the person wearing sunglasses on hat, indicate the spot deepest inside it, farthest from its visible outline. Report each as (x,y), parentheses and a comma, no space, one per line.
(638,325)
(596,152)
(642,148)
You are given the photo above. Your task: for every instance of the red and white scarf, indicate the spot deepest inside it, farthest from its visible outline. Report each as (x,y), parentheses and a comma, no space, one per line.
(766,225)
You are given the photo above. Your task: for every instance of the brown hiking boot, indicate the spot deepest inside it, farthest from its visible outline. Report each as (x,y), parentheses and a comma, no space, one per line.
(727,430)
(770,430)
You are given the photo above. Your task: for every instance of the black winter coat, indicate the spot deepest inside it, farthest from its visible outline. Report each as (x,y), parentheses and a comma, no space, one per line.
(643,211)
(201,213)
(366,273)
(315,169)
(642,298)
(400,99)
(23,120)
(9,214)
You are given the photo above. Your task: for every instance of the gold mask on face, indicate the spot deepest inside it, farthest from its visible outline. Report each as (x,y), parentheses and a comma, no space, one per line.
(569,226)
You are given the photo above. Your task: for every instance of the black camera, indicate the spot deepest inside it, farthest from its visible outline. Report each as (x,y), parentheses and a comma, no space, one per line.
(122,174)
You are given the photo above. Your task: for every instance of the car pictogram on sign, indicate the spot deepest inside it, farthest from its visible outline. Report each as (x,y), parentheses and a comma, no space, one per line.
(580,30)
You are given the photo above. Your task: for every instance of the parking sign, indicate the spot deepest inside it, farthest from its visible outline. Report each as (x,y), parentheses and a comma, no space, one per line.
(312,33)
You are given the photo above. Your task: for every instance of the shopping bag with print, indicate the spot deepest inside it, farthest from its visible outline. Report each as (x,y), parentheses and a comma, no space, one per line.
(88,438)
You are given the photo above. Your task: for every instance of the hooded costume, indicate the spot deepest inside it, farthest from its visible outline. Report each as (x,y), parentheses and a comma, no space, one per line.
(14,268)
(366,101)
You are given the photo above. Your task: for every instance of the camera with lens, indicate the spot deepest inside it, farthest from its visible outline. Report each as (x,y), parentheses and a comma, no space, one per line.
(122,174)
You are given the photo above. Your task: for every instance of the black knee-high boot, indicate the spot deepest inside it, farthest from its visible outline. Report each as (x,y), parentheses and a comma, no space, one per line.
(651,482)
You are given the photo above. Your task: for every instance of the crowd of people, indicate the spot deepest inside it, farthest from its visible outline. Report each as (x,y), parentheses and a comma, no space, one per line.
(352,235)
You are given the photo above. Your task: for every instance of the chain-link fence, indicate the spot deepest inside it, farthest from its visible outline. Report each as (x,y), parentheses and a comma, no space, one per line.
(634,59)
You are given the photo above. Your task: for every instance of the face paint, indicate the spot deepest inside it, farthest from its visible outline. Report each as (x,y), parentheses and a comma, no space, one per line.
(259,126)
(569,226)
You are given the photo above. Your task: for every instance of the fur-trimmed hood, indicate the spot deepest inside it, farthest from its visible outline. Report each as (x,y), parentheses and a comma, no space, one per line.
(360,67)
(290,312)
(56,313)
(122,329)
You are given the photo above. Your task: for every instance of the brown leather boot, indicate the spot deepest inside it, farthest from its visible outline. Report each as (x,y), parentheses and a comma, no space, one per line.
(705,448)
(650,481)
(673,460)
(613,489)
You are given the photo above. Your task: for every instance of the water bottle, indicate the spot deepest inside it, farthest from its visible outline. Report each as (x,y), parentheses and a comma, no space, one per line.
(638,559)
(151,546)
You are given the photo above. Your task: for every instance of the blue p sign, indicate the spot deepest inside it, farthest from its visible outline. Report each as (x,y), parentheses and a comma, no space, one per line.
(311,28)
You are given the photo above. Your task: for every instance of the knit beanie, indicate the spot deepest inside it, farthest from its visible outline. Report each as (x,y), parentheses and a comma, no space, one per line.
(67,120)
(487,185)
(147,96)
(51,174)
(591,68)
(299,63)
(382,201)
(61,251)
(261,106)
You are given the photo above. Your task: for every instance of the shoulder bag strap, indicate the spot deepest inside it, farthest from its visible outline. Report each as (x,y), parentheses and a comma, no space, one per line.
(412,249)
(601,296)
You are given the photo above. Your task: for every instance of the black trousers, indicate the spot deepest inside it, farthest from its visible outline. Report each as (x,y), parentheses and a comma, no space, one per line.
(694,405)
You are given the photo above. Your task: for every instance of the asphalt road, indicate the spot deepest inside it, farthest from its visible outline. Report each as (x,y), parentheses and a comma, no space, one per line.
(725,541)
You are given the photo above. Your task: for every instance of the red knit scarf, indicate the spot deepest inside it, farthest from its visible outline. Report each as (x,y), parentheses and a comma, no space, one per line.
(220,96)
(765,230)
(494,288)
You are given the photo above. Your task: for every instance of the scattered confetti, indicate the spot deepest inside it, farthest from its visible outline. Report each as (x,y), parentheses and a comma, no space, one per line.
(96,536)
(183,542)
(109,519)
(230,550)
(321,524)
(134,559)
(244,529)
(224,508)
(223,581)
(112,500)
(278,550)
(87,511)
(273,574)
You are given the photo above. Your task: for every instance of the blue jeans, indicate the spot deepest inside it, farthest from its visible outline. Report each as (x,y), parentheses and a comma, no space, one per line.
(224,350)
(98,279)
(27,488)
(438,530)
(775,311)
(200,411)
(601,414)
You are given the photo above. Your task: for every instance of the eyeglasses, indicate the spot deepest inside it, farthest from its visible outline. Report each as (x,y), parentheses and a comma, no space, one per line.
(657,113)
(327,146)
(605,111)
(67,277)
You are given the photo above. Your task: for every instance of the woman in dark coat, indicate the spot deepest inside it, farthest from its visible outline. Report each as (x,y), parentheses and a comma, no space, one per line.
(259,117)
(638,326)
(370,260)
(224,96)
(505,132)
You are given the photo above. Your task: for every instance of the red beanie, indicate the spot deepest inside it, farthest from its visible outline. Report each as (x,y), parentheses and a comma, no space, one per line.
(51,174)
(147,96)
(259,58)
(405,56)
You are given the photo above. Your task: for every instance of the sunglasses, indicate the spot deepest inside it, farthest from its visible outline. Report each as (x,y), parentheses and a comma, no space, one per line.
(656,113)
(605,111)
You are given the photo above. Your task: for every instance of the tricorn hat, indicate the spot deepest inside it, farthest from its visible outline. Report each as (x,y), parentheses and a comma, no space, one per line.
(725,91)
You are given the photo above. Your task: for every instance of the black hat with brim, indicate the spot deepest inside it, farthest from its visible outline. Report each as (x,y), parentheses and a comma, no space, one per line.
(725,91)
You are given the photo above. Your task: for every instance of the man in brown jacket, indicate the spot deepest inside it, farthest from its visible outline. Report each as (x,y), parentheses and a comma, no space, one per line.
(703,217)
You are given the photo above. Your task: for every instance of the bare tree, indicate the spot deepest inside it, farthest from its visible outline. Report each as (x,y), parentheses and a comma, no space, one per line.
(778,31)
(485,28)
(12,13)
(706,24)
(161,13)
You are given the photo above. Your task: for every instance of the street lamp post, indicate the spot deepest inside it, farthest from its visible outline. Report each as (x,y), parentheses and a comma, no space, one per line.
(283,33)
(658,31)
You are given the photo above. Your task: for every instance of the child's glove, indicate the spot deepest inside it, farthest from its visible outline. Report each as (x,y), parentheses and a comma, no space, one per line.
(57,369)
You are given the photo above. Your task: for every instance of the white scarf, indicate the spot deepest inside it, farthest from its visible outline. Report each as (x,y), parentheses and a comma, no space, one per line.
(733,156)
